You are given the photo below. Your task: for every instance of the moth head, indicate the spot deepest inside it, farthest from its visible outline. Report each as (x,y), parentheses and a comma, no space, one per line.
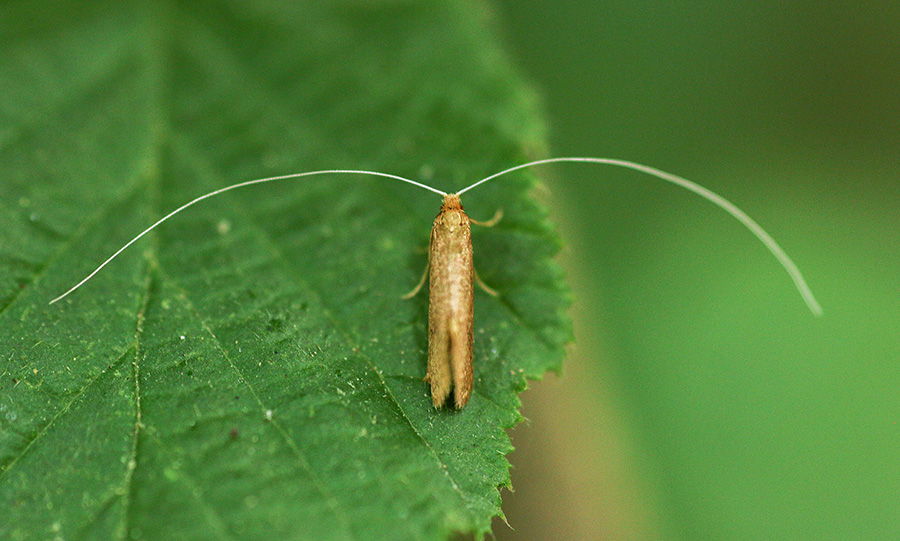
(451,202)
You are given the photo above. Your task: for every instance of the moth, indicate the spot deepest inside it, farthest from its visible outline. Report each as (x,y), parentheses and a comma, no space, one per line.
(451,303)
(452,276)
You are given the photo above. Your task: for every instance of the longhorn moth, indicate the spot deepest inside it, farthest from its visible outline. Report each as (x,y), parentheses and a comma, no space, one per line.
(452,276)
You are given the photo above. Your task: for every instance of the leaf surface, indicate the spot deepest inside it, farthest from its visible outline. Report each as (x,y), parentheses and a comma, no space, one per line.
(249,369)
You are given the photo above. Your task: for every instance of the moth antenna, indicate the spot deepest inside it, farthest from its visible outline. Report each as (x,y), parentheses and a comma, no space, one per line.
(710,196)
(232,187)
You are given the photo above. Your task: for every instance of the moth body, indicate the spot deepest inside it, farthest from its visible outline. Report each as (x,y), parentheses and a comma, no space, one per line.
(451,305)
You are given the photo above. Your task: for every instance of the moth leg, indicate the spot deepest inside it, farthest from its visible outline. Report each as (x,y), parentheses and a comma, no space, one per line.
(418,287)
(492,222)
(488,290)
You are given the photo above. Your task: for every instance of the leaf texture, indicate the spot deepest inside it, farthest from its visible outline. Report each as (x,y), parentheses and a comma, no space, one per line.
(249,369)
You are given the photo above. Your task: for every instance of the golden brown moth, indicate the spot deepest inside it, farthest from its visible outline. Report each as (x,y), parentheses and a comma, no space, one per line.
(451,303)
(452,275)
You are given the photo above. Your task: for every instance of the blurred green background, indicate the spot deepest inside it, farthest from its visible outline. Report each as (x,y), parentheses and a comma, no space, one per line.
(702,400)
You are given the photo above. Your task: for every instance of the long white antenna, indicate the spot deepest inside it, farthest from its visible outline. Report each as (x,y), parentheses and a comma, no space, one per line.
(232,187)
(712,197)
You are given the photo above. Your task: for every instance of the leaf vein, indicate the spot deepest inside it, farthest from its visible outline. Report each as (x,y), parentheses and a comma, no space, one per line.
(131,464)
(292,445)
(65,409)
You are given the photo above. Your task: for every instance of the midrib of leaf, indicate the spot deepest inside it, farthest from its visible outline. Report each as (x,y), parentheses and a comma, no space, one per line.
(132,462)
(158,36)
(124,490)
(160,128)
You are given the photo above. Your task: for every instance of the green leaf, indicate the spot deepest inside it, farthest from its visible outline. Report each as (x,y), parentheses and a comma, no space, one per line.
(249,369)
